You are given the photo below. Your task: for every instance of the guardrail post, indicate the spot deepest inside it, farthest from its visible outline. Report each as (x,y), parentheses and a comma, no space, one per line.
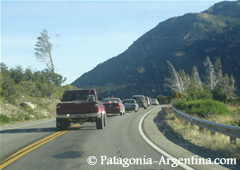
(233,140)
(201,129)
(213,132)
(192,125)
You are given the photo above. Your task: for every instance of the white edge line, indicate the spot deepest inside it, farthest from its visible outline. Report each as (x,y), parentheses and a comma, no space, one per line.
(155,146)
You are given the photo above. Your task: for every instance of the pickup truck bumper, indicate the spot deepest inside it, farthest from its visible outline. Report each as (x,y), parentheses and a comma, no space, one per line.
(75,116)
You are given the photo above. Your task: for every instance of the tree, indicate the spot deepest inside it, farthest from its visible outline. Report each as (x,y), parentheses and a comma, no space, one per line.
(17,74)
(218,72)
(4,70)
(174,82)
(185,79)
(44,50)
(54,78)
(218,67)
(195,79)
(211,76)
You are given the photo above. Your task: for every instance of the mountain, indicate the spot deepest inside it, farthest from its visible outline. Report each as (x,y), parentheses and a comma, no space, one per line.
(185,41)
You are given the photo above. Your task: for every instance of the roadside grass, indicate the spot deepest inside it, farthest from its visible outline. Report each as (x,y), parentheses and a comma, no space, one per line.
(191,133)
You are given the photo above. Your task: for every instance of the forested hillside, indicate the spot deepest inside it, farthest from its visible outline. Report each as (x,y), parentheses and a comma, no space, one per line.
(185,41)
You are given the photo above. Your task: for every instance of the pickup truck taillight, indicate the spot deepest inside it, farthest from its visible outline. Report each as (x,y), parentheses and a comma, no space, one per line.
(97,106)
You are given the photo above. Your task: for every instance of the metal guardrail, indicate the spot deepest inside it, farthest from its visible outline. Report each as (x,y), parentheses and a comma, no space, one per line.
(232,131)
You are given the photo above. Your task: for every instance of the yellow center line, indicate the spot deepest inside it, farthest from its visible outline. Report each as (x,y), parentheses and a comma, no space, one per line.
(30,148)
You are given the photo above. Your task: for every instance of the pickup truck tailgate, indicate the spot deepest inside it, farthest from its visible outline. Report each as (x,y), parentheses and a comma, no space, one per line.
(77,107)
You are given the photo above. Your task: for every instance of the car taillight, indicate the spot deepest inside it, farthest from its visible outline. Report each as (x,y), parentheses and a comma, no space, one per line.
(143,101)
(119,104)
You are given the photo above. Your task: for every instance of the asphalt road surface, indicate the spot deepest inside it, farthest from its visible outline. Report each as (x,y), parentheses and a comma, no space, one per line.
(120,145)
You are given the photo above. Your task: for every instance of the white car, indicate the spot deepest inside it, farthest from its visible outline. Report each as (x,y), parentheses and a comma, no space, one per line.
(155,102)
(130,104)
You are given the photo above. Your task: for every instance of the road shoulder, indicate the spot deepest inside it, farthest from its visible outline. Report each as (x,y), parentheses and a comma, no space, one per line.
(153,133)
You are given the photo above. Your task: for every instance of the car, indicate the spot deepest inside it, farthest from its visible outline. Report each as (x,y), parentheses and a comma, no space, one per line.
(140,99)
(130,104)
(114,105)
(155,102)
(148,100)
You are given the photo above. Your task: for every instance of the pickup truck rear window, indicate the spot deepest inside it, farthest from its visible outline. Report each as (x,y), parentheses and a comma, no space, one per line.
(78,96)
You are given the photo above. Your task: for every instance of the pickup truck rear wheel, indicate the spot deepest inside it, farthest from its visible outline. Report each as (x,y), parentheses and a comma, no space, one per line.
(100,122)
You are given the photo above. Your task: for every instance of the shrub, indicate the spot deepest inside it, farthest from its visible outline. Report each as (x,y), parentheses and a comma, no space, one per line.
(197,93)
(163,99)
(202,108)
(219,95)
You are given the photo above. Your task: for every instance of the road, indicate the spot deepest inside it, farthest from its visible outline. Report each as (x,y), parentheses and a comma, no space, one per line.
(71,150)
(120,145)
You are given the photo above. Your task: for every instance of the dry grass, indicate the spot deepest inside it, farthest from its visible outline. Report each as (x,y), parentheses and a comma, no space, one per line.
(191,133)
(44,108)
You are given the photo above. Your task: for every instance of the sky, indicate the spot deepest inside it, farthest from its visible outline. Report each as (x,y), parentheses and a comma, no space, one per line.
(83,33)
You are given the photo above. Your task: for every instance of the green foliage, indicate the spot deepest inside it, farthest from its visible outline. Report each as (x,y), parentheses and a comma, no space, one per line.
(17,74)
(16,82)
(4,119)
(69,87)
(9,90)
(220,95)
(202,108)
(163,99)
(18,85)
(193,93)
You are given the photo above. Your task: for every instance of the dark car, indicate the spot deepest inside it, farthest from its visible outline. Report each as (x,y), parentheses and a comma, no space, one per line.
(114,105)
(130,104)
(140,99)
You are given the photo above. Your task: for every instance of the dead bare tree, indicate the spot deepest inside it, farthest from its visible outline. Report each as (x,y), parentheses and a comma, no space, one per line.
(195,78)
(211,76)
(174,82)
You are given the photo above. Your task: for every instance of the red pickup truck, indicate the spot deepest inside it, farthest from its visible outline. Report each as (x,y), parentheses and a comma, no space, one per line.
(78,106)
